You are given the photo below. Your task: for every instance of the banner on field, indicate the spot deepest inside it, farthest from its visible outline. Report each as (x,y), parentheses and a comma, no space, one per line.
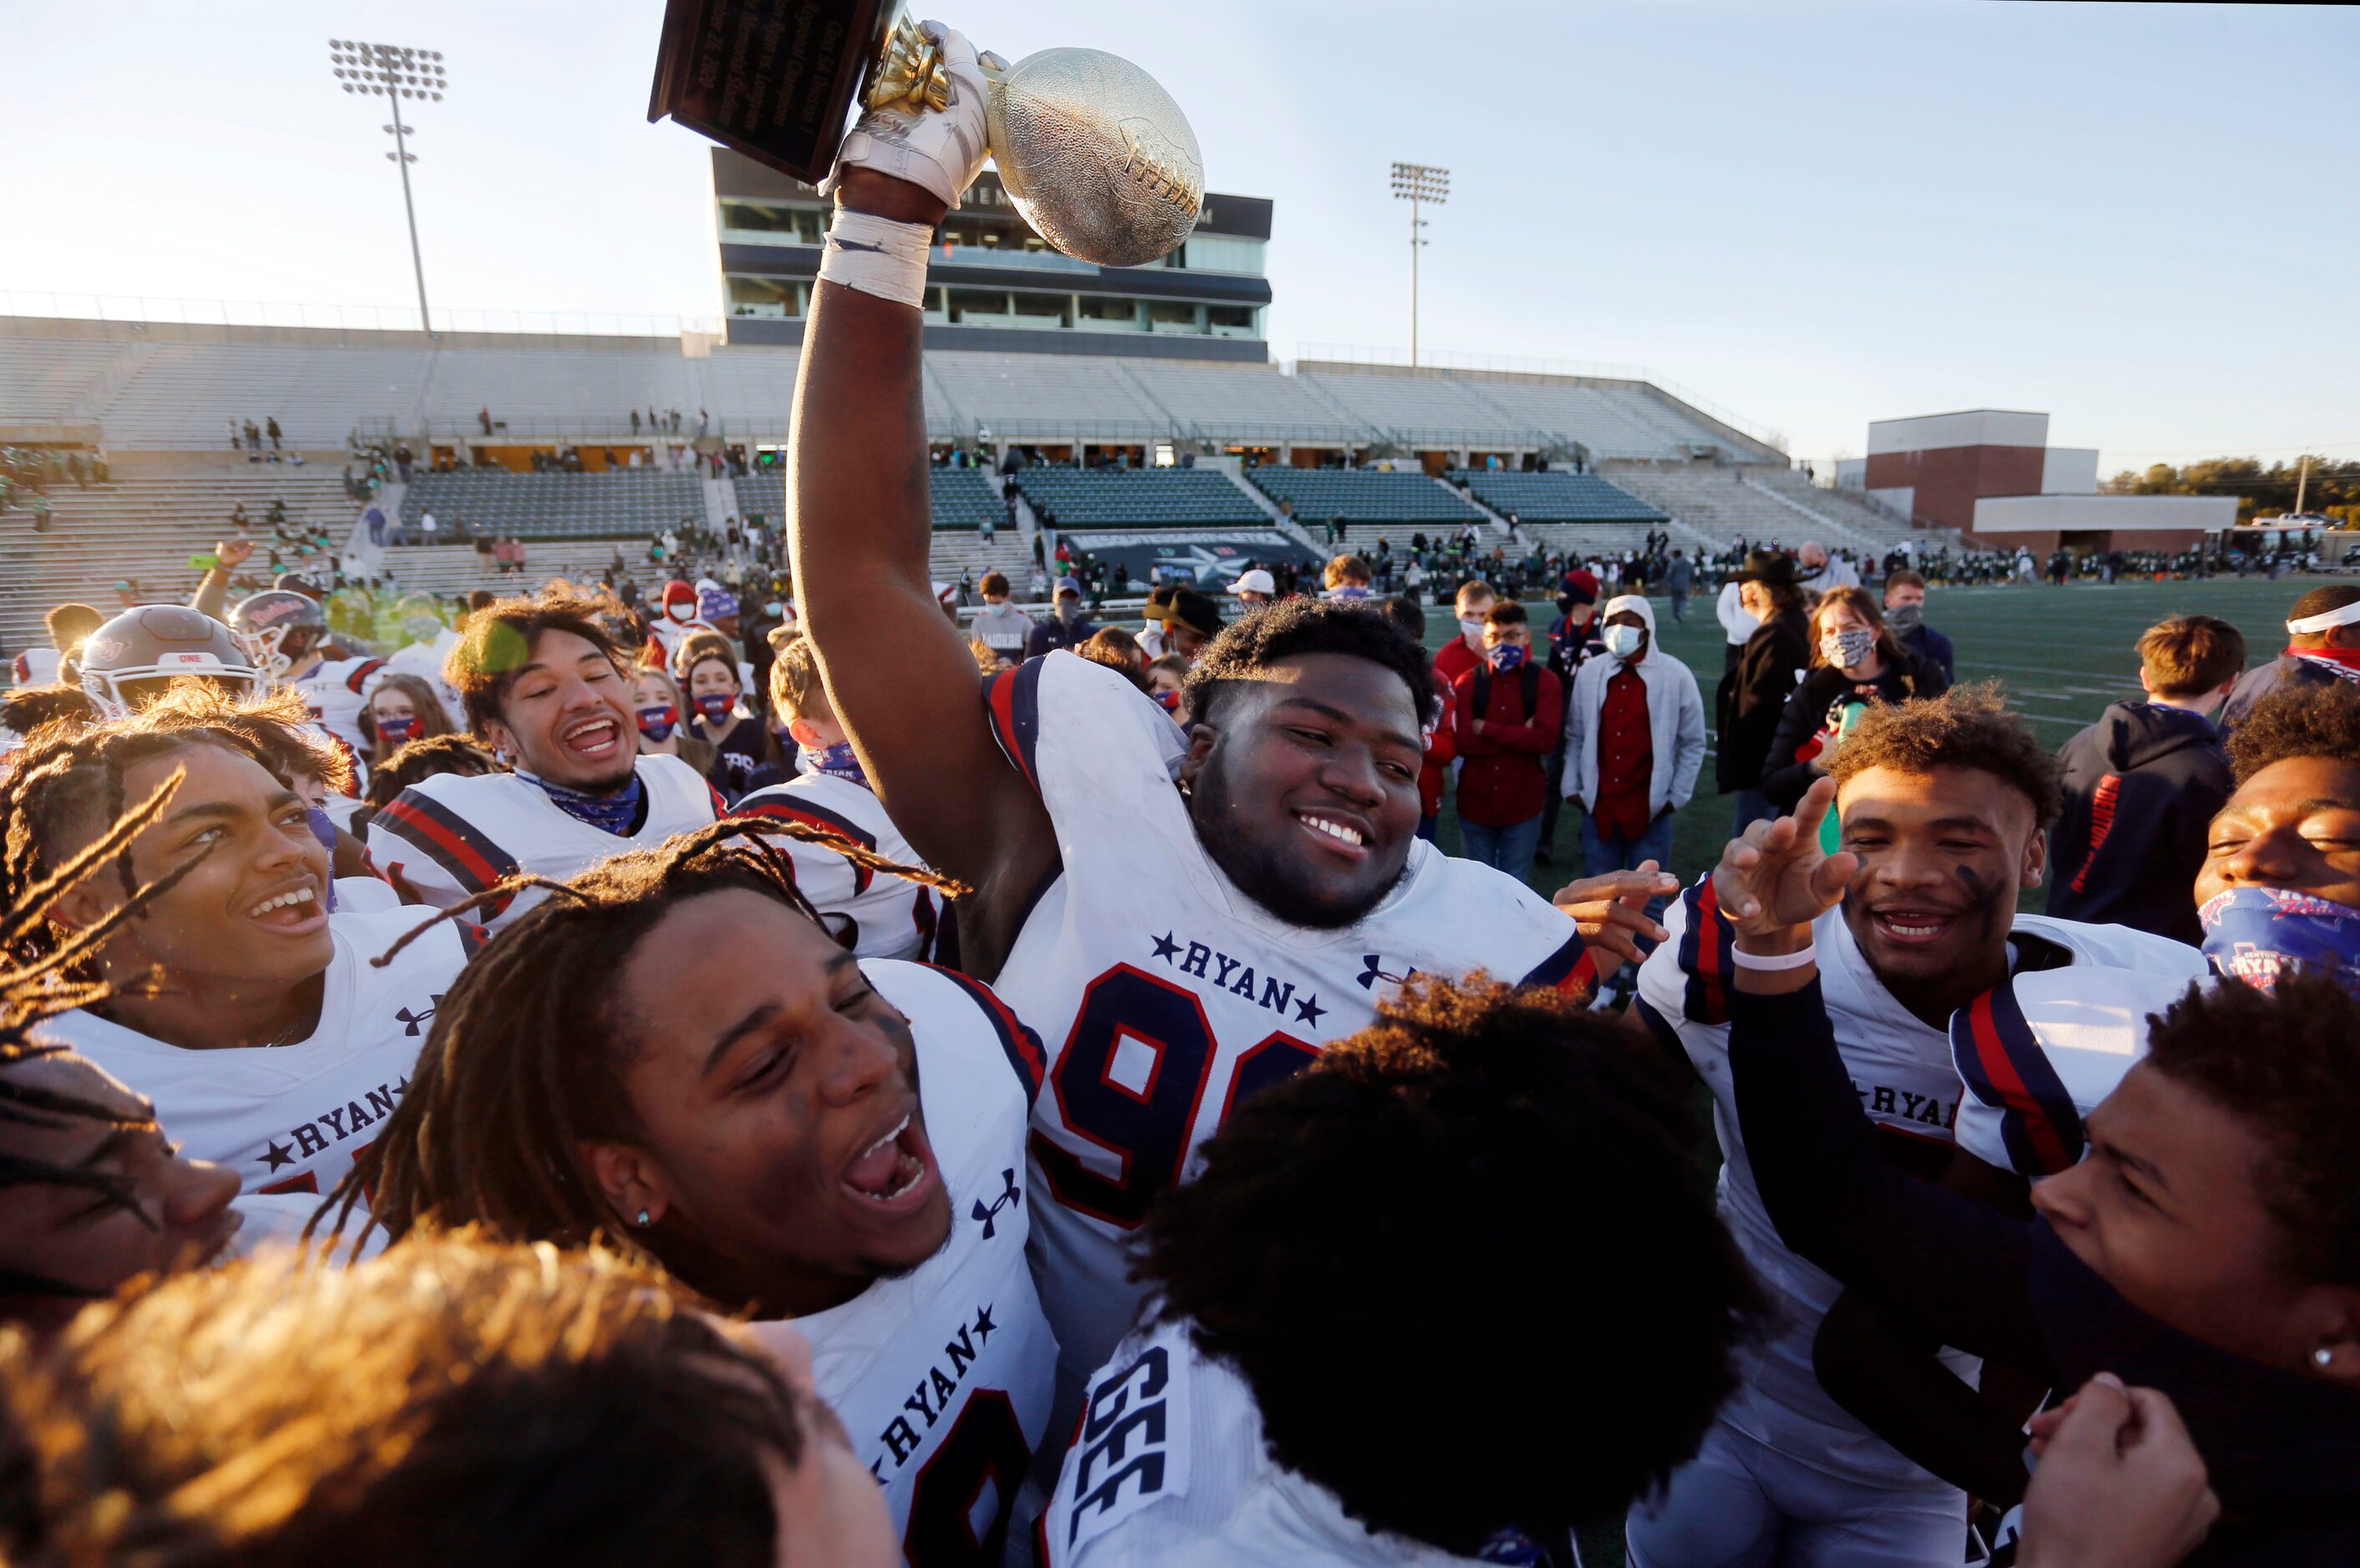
(1201,558)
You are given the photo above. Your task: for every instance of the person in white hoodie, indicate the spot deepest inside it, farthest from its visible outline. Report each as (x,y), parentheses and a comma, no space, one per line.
(1633,742)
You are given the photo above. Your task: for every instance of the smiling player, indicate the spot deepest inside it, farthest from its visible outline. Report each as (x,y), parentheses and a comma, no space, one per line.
(680,1055)
(1947,804)
(1185,920)
(247,1013)
(545,685)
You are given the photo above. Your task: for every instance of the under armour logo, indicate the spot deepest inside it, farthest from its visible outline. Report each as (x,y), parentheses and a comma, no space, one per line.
(1371,975)
(987,1214)
(411,1021)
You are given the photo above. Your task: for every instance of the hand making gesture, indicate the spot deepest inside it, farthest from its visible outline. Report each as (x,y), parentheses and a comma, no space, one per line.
(1773,880)
(1610,912)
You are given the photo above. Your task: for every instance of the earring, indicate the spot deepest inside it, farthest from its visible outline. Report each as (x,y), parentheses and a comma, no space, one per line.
(644,1221)
(2322,1358)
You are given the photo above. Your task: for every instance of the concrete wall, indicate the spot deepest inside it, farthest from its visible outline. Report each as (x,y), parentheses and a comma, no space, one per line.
(2069,471)
(1970,428)
(2010,516)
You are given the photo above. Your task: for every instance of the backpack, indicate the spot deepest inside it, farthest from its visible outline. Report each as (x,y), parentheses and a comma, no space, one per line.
(1532,691)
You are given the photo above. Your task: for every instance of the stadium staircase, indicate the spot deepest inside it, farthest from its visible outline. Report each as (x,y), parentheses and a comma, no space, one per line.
(143,528)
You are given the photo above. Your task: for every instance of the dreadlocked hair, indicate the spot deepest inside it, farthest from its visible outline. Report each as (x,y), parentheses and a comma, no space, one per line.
(28,708)
(37,988)
(525,1061)
(67,782)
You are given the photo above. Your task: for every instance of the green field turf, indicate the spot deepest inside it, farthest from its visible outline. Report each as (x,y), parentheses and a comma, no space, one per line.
(2063,654)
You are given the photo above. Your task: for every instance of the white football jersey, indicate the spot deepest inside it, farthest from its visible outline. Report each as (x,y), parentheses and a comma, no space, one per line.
(290,1118)
(336,692)
(1163,1011)
(891,916)
(37,666)
(943,1376)
(1907,1083)
(2038,1055)
(450,837)
(1169,1470)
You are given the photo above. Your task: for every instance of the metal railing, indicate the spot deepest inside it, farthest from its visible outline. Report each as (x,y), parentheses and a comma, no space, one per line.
(66,305)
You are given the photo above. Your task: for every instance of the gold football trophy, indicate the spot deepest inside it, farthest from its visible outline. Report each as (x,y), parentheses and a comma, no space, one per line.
(1093,152)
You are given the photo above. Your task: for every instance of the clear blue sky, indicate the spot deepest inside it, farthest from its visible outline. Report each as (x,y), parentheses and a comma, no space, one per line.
(2137,217)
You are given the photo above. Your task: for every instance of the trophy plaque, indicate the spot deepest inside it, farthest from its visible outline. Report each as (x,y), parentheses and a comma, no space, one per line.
(771,79)
(1093,152)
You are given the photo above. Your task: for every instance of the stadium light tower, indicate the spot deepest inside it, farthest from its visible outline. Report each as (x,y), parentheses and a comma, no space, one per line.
(392,73)
(1418,184)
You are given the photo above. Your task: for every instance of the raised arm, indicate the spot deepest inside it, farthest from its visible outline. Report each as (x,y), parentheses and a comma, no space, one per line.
(898,673)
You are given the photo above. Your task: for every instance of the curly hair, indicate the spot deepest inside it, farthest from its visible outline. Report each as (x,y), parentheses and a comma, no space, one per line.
(417,1407)
(429,756)
(500,637)
(1371,1241)
(1967,726)
(2298,721)
(525,1062)
(2287,1062)
(1291,628)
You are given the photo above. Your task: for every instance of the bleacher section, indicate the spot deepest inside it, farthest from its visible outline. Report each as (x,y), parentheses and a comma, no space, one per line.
(627,503)
(761,495)
(1253,402)
(163,386)
(1017,393)
(1420,410)
(42,380)
(1752,505)
(964,497)
(184,395)
(146,528)
(1555,498)
(1138,498)
(1363,496)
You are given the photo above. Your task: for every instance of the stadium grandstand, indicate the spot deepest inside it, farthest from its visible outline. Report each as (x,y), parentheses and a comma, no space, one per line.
(1365,495)
(653,431)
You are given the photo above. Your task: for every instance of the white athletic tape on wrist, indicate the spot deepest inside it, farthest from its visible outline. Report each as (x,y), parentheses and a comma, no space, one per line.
(2327,621)
(1771,962)
(877,256)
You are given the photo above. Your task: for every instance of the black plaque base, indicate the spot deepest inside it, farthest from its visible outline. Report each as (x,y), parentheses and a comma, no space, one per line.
(771,79)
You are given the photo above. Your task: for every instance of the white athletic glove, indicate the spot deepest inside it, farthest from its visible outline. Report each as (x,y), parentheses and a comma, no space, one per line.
(941,150)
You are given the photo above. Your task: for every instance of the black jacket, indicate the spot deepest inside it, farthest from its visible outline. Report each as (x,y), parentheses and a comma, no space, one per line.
(1932,647)
(2286,669)
(2141,786)
(1750,698)
(2282,1450)
(1784,779)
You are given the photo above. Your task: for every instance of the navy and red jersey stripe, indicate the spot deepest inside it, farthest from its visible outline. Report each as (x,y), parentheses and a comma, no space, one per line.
(2004,1066)
(1021,1044)
(474,861)
(361,672)
(1014,699)
(1569,969)
(785,808)
(1707,943)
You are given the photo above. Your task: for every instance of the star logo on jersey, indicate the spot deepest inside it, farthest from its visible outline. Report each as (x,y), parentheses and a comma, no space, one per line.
(1165,948)
(279,1156)
(989,1214)
(983,1323)
(1309,1010)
